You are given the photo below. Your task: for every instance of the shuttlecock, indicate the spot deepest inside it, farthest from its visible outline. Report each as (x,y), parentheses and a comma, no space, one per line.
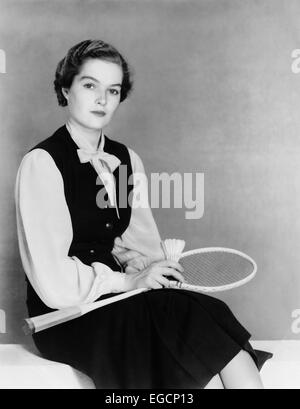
(173,248)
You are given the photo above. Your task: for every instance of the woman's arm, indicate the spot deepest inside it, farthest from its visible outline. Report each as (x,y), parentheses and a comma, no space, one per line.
(45,235)
(139,245)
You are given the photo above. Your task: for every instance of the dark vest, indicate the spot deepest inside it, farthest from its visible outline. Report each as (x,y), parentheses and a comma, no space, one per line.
(94,227)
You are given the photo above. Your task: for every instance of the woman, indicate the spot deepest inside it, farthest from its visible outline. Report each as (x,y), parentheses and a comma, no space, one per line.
(77,248)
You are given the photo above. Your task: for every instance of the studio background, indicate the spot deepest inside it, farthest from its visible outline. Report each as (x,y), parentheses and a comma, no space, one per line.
(214,93)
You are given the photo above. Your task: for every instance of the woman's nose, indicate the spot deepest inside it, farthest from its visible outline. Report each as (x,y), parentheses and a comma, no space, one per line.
(101,98)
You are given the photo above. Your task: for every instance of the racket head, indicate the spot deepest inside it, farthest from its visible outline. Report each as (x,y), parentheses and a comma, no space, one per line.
(213,269)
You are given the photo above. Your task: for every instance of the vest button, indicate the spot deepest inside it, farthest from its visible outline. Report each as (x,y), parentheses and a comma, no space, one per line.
(92,251)
(109,226)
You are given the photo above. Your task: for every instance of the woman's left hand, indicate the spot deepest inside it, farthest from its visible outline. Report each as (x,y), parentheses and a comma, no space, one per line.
(132,261)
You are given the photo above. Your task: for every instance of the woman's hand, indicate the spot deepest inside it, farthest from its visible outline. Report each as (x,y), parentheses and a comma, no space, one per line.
(132,260)
(155,276)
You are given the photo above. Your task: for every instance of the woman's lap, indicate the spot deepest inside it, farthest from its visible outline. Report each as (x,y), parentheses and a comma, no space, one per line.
(161,338)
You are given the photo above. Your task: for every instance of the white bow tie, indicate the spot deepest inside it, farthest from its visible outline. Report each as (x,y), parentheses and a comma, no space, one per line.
(104,163)
(111,161)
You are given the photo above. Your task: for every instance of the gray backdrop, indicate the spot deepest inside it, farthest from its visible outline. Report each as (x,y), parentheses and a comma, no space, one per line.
(214,93)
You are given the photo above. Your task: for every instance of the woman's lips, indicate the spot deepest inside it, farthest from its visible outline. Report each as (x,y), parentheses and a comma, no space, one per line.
(99,113)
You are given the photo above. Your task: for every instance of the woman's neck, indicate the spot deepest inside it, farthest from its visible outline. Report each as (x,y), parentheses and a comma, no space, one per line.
(92,136)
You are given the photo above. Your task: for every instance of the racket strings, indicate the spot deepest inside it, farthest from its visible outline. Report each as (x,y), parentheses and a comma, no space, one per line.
(214,269)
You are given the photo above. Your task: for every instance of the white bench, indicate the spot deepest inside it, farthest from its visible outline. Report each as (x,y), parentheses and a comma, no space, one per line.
(22,368)
(283,370)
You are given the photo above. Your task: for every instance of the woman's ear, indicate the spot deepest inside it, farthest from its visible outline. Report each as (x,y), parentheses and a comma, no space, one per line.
(65,93)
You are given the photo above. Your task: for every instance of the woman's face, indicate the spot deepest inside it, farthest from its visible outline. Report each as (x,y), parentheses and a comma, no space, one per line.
(95,93)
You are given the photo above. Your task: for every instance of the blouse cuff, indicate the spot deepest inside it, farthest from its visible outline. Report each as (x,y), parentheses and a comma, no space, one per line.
(109,281)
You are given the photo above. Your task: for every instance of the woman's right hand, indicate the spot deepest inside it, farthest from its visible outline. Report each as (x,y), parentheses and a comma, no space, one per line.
(155,275)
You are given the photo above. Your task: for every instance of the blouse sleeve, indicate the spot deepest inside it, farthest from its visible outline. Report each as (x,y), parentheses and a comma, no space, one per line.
(45,235)
(142,234)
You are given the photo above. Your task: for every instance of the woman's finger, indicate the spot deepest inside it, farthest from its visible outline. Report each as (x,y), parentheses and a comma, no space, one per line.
(171,264)
(131,270)
(139,263)
(163,281)
(155,285)
(170,272)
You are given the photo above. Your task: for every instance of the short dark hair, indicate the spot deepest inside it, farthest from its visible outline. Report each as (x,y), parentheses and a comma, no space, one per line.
(70,66)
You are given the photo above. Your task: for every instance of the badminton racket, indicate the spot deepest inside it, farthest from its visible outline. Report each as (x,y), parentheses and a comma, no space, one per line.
(211,269)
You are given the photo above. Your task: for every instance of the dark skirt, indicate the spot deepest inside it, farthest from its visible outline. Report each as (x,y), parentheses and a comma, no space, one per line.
(158,339)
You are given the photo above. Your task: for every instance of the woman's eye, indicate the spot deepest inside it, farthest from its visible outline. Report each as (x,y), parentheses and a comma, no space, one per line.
(89,85)
(114,91)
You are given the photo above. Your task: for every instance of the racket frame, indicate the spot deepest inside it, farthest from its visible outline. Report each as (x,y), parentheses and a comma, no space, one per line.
(210,289)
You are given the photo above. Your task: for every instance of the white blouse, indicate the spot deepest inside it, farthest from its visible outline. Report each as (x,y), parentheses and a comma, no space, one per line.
(45,234)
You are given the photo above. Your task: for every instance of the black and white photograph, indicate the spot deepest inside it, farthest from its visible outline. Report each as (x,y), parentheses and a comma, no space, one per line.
(150,200)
